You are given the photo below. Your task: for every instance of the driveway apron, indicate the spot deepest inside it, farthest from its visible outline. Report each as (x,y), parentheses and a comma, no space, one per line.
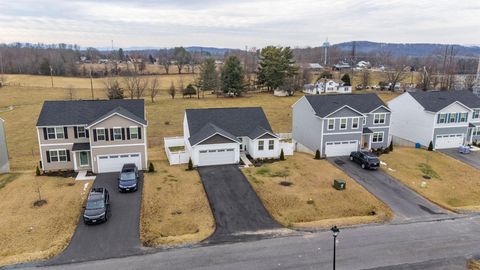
(472,159)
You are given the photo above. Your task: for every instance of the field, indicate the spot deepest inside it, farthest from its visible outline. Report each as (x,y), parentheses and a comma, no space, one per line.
(306,200)
(28,232)
(453,184)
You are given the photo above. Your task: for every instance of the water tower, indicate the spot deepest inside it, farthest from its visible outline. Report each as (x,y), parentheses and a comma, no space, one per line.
(325,46)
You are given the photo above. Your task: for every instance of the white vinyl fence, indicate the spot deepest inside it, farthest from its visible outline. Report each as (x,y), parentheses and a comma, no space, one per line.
(175,157)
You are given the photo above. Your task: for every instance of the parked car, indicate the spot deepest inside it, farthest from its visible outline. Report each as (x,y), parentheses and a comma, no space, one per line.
(365,159)
(464,149)
(128,178)
(96,209)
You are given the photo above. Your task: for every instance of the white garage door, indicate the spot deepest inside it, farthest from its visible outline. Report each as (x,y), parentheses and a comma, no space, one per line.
(216,157)
(448,141)
(114,163)
(344,148)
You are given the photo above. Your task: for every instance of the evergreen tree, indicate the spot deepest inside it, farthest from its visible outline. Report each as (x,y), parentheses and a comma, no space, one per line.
(346,79)
(189,91)
(233,77)
(317,154)
(390,147)
(208,79)
(282,155)
(190,164)
(151,168)
(430,146)
(325,75)
(276,66)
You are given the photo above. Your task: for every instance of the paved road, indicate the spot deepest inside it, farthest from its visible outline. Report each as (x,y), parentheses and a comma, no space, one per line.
(405,203)
(119,236)
(413,246)
(472,159)
(239,213)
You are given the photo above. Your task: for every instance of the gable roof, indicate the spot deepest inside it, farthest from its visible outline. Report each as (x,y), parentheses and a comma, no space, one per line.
(230,122)
(434,101)
(327,104)
(86,112)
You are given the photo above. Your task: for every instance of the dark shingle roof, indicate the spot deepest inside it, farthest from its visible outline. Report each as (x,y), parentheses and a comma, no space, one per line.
(85,112)
(237,122)
(327,104)
(209,130)
(434,101)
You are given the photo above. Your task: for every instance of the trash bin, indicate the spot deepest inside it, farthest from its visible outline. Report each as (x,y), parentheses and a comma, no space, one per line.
(339,184)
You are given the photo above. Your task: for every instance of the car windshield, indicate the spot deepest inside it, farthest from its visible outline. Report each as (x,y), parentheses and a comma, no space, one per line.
(127,176)
(94,204)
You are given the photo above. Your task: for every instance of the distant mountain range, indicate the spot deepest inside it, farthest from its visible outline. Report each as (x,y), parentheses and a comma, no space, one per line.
(211,50)
(409,49)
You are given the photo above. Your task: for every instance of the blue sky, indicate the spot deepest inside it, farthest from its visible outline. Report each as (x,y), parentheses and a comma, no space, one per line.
(237,24)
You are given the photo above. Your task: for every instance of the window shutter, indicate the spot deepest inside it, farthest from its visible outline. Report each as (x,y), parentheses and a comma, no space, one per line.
(123,133)
(112,138)
(87,133)
(128,133)
(139,133)
(65,131)
(68,155)
(45,135)
(48,156)
(75,134)
(107,137)
(94,135)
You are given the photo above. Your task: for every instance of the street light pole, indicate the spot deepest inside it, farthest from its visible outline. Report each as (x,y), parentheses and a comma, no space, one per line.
(335,231)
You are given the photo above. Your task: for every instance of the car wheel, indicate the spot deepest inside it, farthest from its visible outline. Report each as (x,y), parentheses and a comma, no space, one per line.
(351,158)
(363,166)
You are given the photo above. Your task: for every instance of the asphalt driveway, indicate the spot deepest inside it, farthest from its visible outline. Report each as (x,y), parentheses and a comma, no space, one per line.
(472,159)
(404,202)
(117,237)
(239,213)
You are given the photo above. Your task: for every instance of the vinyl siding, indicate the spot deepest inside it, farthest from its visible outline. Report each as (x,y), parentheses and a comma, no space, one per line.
(4,162)
(118,150)
(54,166)
(306,127)
(117,121)
(341,137)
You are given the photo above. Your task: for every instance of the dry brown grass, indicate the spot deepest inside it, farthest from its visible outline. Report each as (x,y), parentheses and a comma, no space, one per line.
(313,179)
(474,265)
(31,233)
(175,208)
(456,186)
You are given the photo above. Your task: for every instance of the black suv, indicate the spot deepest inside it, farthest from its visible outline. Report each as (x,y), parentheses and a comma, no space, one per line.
(128,178)
(96,210)
(365,159)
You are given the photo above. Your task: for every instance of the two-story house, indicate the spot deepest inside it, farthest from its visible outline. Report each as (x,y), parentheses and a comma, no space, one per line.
(92,135)
(448,119)
(327,86)
(4,163)
(338,124)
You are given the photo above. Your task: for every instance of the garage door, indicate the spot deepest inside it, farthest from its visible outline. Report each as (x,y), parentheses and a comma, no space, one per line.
(216,157)
(343,148)
(448,141)
(114,163)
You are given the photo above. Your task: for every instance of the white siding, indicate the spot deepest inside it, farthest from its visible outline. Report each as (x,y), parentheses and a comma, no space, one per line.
(196,149)
(265,153)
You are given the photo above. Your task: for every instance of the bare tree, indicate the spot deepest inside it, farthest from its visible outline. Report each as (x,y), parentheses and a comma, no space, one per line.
(396,72)
(469,82)
(71,92)
(424,81)
(113,90)
(3,80)
(154,88)
(365,78)
(135,86)
(172,91)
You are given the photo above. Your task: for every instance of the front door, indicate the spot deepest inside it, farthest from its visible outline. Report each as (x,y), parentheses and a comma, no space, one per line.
(84,159)
(365,143)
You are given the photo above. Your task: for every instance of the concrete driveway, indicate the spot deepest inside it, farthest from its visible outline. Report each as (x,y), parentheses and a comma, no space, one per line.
(472,159)
(117,237)
(404,202)
(239,213)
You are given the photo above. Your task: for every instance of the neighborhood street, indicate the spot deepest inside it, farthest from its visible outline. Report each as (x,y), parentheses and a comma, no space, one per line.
(405,203)
(473,158)
(406,246)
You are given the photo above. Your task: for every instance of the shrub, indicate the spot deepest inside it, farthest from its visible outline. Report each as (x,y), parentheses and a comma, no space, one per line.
(390,147)
(190,164)
(151,168)
(317,154)
(37,171)
(430,146)
(282,155)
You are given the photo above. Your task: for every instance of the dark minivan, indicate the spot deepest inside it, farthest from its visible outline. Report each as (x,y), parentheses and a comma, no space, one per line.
(366,159)
(96,209)
(128,179)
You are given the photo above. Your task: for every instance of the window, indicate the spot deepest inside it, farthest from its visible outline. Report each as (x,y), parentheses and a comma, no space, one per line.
(476,114)
(101,134)
(117,134)
(343,123)
(377,137)
(355,122)
(133,133)
(271,144)
(463,117)
(476,131)
(331,124)
(55,133)
(452,118)
(260,145)
(379,118)
(58,155)
(364,121)
(81,132)
(442,118)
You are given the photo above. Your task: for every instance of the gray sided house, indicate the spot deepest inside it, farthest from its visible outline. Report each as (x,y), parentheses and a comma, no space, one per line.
(92,135)
(339,124)
(448,119)
(4,163)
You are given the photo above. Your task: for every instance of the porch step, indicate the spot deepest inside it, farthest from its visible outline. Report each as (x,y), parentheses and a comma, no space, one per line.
(82,175)
(245,160)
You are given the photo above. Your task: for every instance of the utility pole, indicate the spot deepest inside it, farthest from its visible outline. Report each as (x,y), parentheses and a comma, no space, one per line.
(51,74)
(91,82)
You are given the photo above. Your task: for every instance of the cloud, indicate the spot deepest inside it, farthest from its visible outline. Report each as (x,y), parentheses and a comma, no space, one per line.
(237,23)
